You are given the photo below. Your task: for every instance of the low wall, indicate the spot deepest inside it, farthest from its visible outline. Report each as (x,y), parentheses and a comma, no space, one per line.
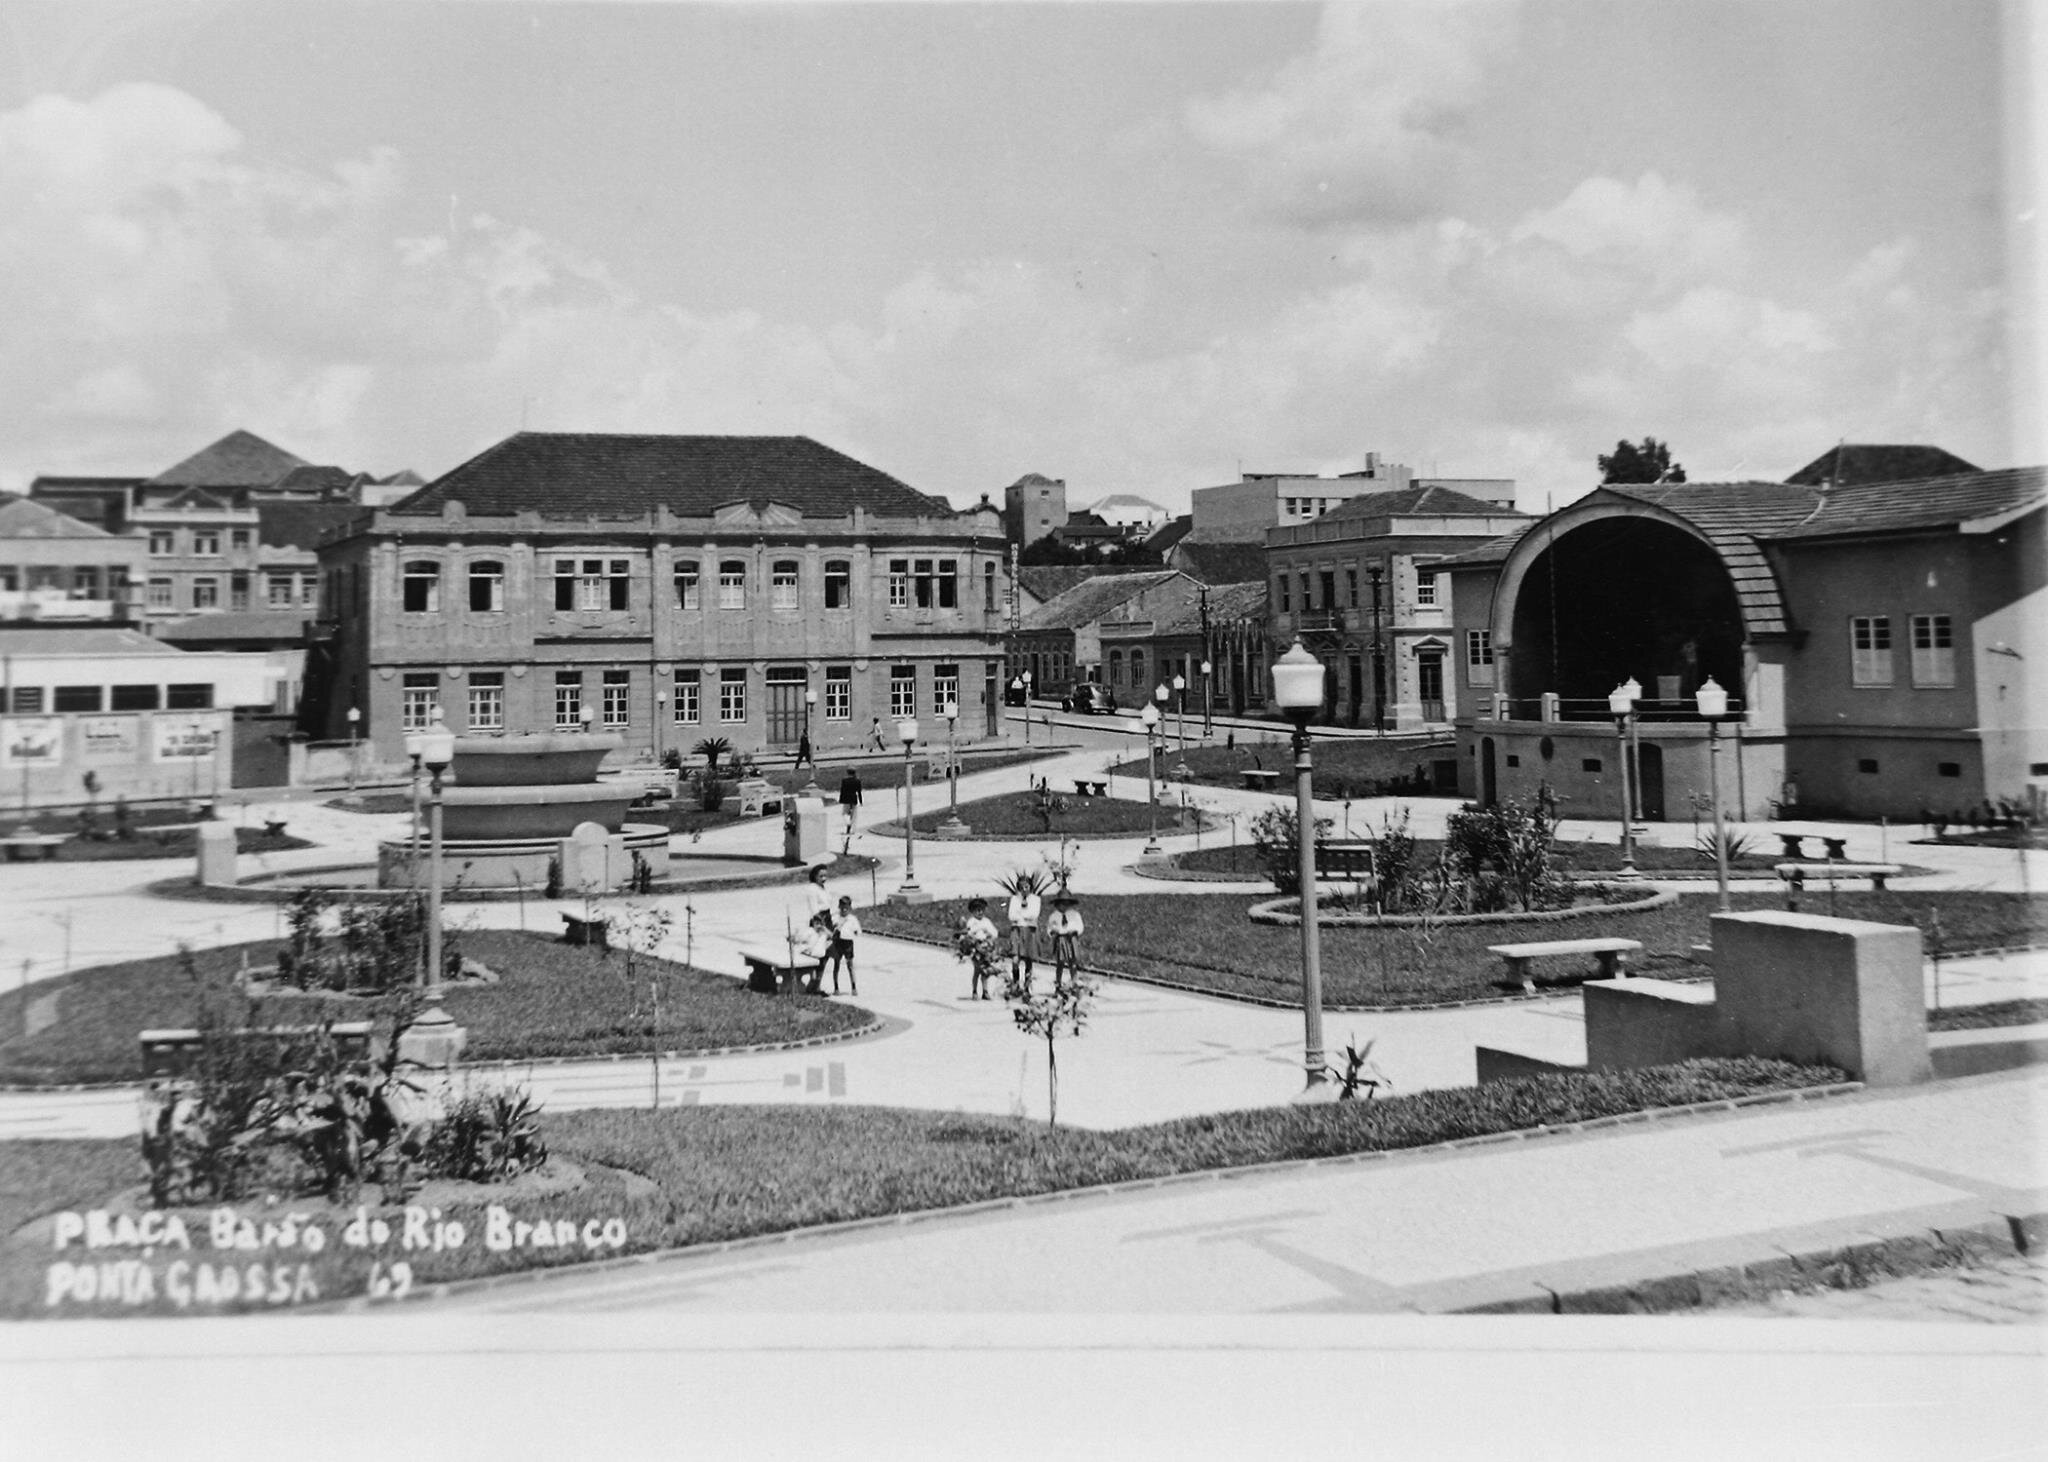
(1636,1022)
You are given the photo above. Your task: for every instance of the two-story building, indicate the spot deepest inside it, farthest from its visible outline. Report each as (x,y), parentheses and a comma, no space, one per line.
(665,588)
(1244,510)
(1359,587)
(52,566)
(1101,630)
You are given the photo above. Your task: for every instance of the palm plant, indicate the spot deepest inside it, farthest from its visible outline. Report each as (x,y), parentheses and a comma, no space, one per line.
(711,748)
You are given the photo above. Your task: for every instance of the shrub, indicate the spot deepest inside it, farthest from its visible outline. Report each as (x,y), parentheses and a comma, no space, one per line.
(711,793)
(485,1137)
(1503,853)
(711,748)
(1277,835)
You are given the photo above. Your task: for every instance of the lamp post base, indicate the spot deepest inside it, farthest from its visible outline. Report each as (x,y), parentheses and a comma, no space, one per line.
(1315,1094)
(910,893)
(953,827)
(432,1040)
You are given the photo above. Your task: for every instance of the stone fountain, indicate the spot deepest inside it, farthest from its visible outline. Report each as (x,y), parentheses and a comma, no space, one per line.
(513,804)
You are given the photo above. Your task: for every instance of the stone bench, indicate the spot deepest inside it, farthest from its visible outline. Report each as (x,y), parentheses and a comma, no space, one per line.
(173,1053)
(1610,952)
(1085,788)
(1258,780)
(28,847)
(1797,874)
(1344,860)
(1793,845)
(779,972)
(273,827)
(759,797)
(592,932)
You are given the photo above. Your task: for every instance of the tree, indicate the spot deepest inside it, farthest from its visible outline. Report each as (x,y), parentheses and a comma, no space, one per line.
(1650,462)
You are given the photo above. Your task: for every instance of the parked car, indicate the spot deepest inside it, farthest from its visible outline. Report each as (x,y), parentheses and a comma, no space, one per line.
(1090,699)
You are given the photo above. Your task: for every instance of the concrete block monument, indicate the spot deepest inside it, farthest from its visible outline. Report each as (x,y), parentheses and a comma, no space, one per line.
(804,839)
(216,855)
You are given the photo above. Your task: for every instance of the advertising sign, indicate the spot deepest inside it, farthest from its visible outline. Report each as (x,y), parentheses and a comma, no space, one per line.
(177,739)
(107,739)
(36,741)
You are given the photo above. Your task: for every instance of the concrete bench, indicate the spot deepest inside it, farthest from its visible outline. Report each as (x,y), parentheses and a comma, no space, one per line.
(1877,873)
(592,932)
(28,847)
(1344,860)
(273,827)
(1085,788)
(758,798)
(1792,845)
(1610,952)
(1258,780)
(779,971)
(173,1053)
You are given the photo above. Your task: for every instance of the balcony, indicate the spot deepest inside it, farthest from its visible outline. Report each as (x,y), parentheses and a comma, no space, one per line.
(1319,622)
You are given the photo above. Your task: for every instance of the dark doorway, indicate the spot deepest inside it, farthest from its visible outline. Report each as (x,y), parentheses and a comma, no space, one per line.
(1489,793)
(1357,688)
(1650,771)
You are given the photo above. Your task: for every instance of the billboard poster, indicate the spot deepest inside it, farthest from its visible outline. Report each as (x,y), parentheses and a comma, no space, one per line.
(106,738)
(36,741)
(179,739)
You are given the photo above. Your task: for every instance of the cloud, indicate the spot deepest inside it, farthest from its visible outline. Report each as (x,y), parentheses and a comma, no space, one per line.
(1369,124)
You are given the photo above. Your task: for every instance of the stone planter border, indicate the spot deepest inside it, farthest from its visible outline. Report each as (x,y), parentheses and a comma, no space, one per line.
(1274,911)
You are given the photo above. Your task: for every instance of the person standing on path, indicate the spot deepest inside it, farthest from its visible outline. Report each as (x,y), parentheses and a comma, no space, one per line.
(875,735)
(1064,929)
(1023,914)
(816,900)
(849,800)
(803,753)
(980,935)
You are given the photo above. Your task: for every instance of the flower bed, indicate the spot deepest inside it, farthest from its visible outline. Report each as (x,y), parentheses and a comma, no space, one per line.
(1334,911)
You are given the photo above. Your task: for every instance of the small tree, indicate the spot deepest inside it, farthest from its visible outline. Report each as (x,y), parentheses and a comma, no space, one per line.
(1650,462)
(1047,1014)
(1046,804)
(642,929)
(1277,834)
(1503,851)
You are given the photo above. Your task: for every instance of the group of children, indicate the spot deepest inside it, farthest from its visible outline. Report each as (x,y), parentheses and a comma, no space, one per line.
(829,935)
(1062,931)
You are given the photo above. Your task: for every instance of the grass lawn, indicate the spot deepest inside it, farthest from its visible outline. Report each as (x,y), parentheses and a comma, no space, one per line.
(1214,946)
(1345,768)
(550,1000)
(1987,1017)
(730,1172)
(1014,814)
(1243,859)
(176,842)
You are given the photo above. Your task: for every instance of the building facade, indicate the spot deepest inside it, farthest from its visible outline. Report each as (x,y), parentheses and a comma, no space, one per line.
(54,567)
(665,589)
(1258,501)
(1100,630)
(1359,587)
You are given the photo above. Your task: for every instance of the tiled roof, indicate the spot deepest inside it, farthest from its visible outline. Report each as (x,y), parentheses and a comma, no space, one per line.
(81,642)
(1493,550)
(22,518)
(300,524)
(315,479)
(1219,563)
(1091,599)
(1227,603)
(1172,531)
(1050,580)
(280,626)
(1857,462)
(580,474)
(1939,502)
(1413,500)
(239,459)
(1733,516)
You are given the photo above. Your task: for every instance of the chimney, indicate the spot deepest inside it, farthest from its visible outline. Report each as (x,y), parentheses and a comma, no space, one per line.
(1372,464)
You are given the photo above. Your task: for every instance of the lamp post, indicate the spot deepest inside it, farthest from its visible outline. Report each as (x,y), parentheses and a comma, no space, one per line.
(585,718)
(1160,694)
(1634,690)
(355,722)
(1621,704)
(811,788)
(1150,718)
(1208,700)
(952,827)
(910,893)
(1712,701)
(434,1039)
(1298,691)
(660,712)
(415,750)
(1027,707)
(1180,694)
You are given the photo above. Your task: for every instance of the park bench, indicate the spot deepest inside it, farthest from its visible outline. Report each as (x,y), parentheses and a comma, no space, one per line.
(778,972)
(274,827)
(579,930)
(28,847)
(1793,845)
(759,797)
(1256,779)
(1610,952)
(1344,860)
(1797,874)
(1085,788)
(173,1053)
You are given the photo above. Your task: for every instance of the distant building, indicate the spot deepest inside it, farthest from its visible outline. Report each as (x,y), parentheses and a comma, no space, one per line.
(54,567)
(1129,512)
(1853,463)
(1100,630)
(1033,506)
(1359,586)
(667,588)
(1245,509)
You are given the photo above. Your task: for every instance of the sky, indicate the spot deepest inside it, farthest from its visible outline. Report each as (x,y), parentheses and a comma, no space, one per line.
(1142,248)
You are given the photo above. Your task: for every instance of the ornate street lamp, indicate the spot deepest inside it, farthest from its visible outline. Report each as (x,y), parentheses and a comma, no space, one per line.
(1298,691)
(434,1039)
(586,717)
(1712,701)
(910,893)
(660,713)
(952,827)
(1621,704)
(1027,707)
(355,722)
(1149,717)
(415,749)
(811,788)
(1180,694)
(1208,700)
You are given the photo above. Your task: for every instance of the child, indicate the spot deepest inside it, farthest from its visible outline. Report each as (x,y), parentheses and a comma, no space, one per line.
(1064,929)
(816,945)
(844,930)
(978,943)
(1023,915)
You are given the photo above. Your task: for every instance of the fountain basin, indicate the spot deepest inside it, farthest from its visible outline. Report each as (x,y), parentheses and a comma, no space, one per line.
(538,759)
(516,811)
(478,863)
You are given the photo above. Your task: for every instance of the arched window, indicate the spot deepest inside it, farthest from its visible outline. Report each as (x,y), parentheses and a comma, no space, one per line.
(732,586)
(422,586)
(838,583)
(782,583)
(487,587)
(1116,668)
(1138,672)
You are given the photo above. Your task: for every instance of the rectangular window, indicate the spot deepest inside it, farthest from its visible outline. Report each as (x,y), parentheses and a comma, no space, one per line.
(732,695)
(238,591)
(1867,765)
(1286,601)
(136,698)
(162,542)
(206,541)
(1425,589)
(78,698)
(593,585)
(422,586)
(160,594)
(732,584)
(838,584)
(1305,601)
(1351,588)
(238,539)
(689,594)
(899,583)
(568,699)
(487,587)
(945,688)
(618,689)
(1934,651)
(486,700)
(838,692)
(921,583)
(782,584)
(902,691)
(988,588)
(1870,650)
(309,589)
(419,700)
(1479,657)
(1590,764)
(277,591)
(948,583)
(687,707)
(1949,769)
(85,582)
(188,697)
(28,700)
(206,593)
